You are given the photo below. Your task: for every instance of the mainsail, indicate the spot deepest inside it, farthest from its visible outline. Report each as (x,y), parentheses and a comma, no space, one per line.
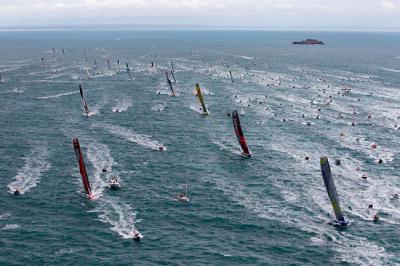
(85,106)
(201,99)
(239,134)
(82,168)
(173,71)
(331,189)
(128,70)
(230,74)
(170,84)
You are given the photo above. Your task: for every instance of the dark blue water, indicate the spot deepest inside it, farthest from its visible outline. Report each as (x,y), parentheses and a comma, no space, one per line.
(271,209)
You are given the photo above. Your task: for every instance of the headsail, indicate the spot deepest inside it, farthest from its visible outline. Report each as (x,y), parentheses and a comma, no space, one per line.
(201,99)
(85,106)
(239,134)
(331,189)
(82,168)
(170,84)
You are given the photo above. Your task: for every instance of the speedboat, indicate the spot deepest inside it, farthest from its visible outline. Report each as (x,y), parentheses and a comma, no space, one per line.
(162,148)
(137,236)
(113,183)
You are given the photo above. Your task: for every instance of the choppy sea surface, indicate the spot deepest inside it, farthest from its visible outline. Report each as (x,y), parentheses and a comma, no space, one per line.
(271,209)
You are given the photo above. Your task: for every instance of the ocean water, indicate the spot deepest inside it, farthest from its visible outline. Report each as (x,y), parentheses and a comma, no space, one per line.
(271,209)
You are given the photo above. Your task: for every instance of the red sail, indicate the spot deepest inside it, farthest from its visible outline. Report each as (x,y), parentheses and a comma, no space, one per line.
(239,134)
(82,168)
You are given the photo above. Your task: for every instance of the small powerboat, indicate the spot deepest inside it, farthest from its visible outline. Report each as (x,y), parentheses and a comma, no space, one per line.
(137,236)
(113,183)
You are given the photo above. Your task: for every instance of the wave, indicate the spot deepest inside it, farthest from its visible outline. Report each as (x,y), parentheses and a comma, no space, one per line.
(10,227)
(28,176)
(389,69)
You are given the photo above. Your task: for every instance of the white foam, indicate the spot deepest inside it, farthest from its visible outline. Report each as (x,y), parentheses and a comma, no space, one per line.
(120,216)
(29,175)
(122,105)
(10,227)
(140,139)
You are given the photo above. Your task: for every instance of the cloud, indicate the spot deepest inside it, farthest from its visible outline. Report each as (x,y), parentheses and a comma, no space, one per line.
(265,13)
(388,5)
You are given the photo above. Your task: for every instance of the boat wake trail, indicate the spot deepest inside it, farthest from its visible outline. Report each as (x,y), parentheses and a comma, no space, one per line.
(224,145)
(122,105)
(100,157)
(140,139)
(120,216)
(28,176)
(57,95)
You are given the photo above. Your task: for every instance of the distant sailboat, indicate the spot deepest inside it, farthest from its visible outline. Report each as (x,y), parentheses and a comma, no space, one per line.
(84,103)
(183,196)
(230,74)
(341,219)
(82,168)
(201,99)
(170,84)
(239,133)
(128,70)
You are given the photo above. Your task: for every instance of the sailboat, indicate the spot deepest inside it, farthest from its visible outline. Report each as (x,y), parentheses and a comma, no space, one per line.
(128,70)
(170,84)
(82,168)
(230,74)
(239,134)
(341,219)
(183,196)
(201,99)
(84,103)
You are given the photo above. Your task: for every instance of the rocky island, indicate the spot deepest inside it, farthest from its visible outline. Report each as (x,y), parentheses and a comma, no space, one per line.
(309,41)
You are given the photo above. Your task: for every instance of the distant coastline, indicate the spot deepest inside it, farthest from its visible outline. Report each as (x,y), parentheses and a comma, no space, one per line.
(177,27)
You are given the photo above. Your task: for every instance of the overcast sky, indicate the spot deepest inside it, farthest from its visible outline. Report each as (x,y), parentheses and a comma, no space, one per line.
(340,14)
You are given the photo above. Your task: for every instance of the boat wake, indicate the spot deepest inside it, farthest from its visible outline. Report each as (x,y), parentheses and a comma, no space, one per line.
(140,139)
(122,105)
(120,216)
(28,176)
(57,95)
(100,157)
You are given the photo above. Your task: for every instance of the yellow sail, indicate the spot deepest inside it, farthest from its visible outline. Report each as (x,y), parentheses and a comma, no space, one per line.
(201,99)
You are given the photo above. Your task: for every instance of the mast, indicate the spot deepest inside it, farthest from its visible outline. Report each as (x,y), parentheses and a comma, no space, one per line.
(186,186)
(331,189)
(239,134)
(82,168)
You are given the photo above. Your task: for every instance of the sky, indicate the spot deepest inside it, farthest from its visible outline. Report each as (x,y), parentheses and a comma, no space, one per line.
(337,14)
